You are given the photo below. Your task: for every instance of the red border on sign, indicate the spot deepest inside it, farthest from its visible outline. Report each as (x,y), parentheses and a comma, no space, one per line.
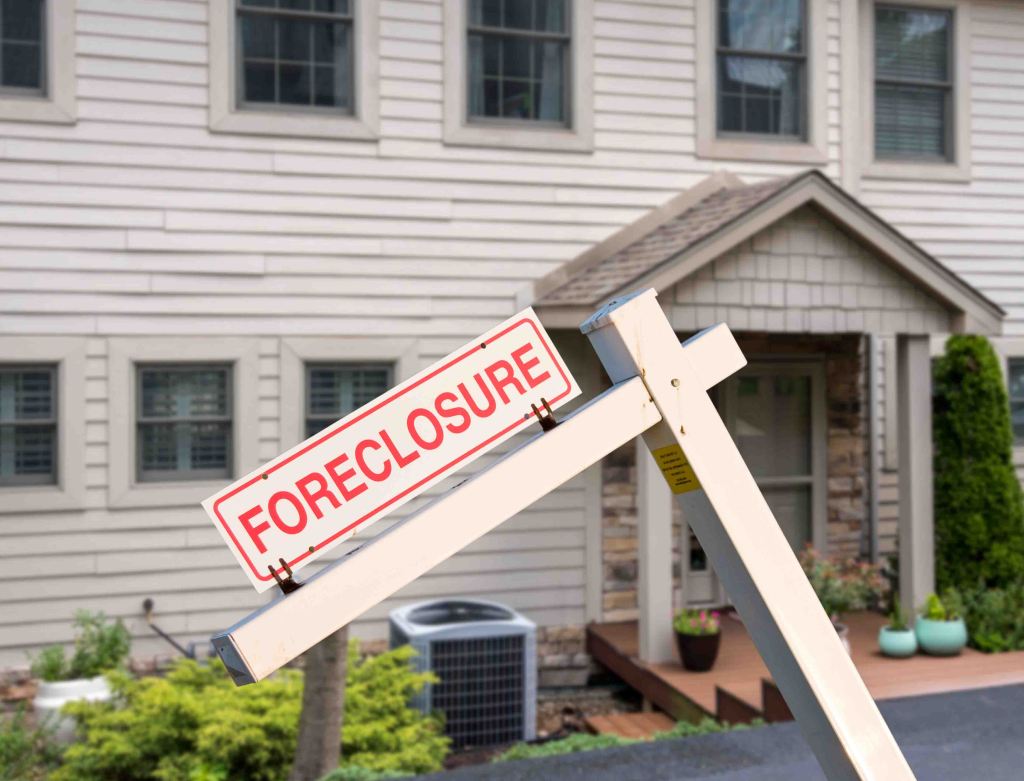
(401,392)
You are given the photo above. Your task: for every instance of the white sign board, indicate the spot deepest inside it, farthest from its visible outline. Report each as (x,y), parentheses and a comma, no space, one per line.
(369,463)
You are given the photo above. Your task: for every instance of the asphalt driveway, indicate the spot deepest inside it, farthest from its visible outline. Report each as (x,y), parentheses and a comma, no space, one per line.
(976,734)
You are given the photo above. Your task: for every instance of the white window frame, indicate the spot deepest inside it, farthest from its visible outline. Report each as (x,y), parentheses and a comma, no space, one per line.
(226,117)
(459,130)
(811,151)
(1007,350)
(68,354)
(296,352)
(57,104)
(959,168)
(125,490)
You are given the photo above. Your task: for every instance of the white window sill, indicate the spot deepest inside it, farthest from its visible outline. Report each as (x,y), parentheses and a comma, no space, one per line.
(36,109)
(931,172)
(763,150)
(296,125)
(166,494)
(519,137)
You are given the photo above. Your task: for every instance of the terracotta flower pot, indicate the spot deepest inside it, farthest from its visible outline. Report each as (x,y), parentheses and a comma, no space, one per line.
(698,652)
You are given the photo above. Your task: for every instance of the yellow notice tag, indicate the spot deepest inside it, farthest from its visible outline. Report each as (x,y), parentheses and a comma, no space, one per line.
(678,473)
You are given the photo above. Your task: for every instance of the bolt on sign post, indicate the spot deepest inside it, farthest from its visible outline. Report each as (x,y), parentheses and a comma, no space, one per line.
(660,392)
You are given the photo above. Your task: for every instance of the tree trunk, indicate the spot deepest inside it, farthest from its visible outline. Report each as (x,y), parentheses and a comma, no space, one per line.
(318,749)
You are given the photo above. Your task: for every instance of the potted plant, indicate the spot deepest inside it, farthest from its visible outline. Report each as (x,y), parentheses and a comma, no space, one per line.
(842,585)
(698,635)
(940,628)
(100,645)
(897,639)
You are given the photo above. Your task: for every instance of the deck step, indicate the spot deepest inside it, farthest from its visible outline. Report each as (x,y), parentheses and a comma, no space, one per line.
(775,707)
(629,725)
(734,707)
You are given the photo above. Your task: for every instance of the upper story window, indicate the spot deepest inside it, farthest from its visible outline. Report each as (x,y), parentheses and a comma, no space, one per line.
(913,83)
(518,60)
(295,53)
(1016,372)
(184,422)
(762,68)
(335,390)
(28,425)
(22,47)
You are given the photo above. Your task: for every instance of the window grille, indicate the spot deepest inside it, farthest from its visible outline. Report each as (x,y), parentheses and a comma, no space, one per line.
(518,60)
(913,83)
(762,68)
(28,425)
(335,390)
(295,53)
(184,422)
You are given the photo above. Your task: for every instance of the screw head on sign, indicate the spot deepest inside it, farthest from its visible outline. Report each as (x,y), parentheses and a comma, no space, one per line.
(675,383)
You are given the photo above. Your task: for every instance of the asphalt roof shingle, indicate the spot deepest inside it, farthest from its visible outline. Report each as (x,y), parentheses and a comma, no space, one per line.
(594,283)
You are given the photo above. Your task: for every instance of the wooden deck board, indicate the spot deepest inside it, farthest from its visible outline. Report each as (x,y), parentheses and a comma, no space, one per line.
(630,725)
(739,670)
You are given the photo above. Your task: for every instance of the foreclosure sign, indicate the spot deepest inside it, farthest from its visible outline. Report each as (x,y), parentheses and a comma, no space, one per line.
(372,461)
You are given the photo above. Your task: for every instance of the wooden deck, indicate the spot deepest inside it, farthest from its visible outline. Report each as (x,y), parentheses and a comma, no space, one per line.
(739,688)
(630,725)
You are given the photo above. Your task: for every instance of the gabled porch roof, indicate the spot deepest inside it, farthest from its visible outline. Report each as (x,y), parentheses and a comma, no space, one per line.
(677,239)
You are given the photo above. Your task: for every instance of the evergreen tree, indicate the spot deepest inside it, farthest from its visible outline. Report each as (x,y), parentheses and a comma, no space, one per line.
(979,508)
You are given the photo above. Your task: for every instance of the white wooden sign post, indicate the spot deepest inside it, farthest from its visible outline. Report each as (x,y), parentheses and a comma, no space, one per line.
(660,392)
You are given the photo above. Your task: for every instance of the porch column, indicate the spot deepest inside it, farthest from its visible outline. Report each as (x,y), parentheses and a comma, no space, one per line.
(654,554)
(916,525)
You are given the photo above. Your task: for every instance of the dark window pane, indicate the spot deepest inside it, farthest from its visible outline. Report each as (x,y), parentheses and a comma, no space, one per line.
(516,57)
(761,25)
(492,55)
(1017,379)
(760,95)
(296,5)
(519,14)
(912,44)
(34,449)
(910,122)
(517,99)
(332,392)
(330,42)
(258,37)
(22,66)
(260,3)
(485,13)
(182,393)
(21,20)
(492,98)
(295,40)
(259,82)
(325,89)
(331,6)
(551,16)
(296,84)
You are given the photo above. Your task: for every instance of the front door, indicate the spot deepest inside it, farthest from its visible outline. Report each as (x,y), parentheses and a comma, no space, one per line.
(775,413)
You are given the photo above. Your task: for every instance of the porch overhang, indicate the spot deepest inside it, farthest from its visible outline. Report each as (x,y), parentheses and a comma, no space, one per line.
(679,238)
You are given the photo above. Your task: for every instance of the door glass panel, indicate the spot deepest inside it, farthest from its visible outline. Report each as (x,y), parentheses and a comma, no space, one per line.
(773,424)
(792,509)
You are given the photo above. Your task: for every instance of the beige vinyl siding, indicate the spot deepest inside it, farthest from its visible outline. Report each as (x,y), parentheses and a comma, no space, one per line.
(138,221)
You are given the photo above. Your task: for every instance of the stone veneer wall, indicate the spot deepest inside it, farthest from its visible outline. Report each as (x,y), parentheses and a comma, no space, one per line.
(846,429)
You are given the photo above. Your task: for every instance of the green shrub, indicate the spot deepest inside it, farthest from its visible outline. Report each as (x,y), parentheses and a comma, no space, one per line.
(100,645)
(196,725)
(26,753)
(356,773)
(381,731)
(706,726)
(570,745)
(979,509)
(584,742)
(995,618)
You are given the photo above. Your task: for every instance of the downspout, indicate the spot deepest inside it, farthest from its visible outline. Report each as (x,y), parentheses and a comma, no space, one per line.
(873,429)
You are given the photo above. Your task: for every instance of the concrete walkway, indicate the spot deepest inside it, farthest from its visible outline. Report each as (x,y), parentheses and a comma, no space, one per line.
(975,734)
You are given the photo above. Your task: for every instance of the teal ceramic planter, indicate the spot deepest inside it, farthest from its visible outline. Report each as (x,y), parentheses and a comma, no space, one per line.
(940,638)
(897,643)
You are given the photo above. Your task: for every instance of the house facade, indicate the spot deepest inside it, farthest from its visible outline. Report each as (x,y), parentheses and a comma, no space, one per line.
(224,224)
